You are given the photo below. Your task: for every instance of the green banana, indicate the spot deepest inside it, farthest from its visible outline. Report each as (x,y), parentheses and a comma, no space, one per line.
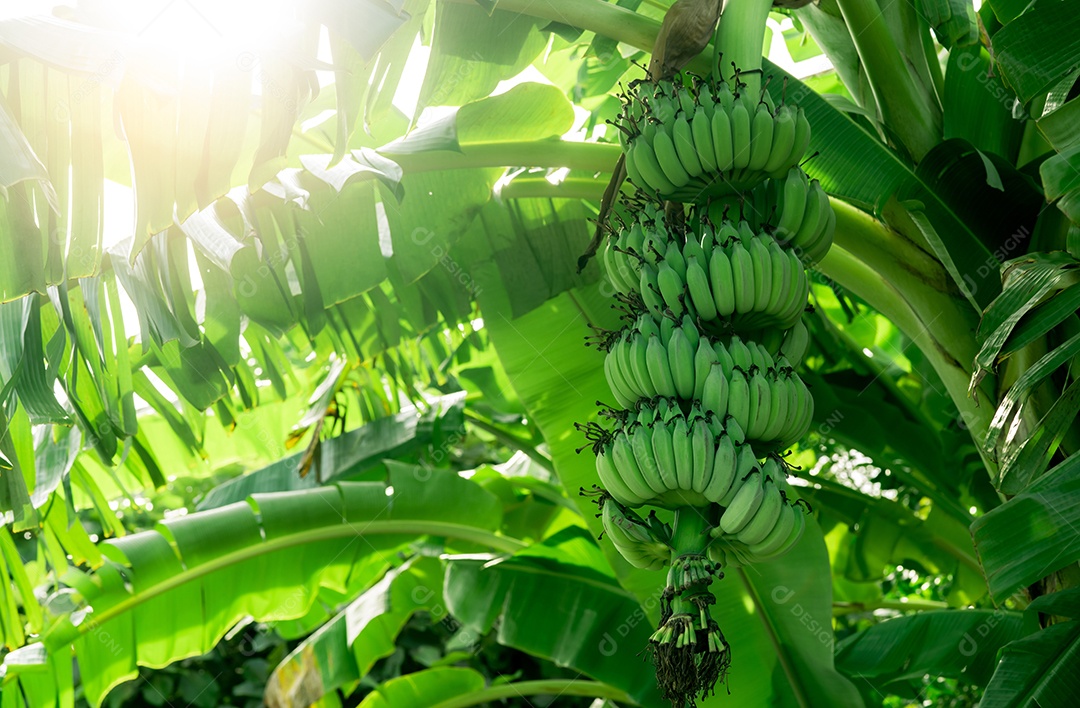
(615,381)
(781,285)
(722,139)
(683,138)
(697,283)
(776,537)
(721,282)
(641,445)
(626,467)
(783,139)
(740,135)
(793,537)
(762,262)
(671,288)
(639,366)
(740,353)
(659,368)
(701,127)
(714,392)
(759,406)
(766,516)
(664,454)
(761,138)
(704,359)
(744,505)
(668,158)
(739,399)
(723,470)
(681,362)
(795,190)
(650,291)
(702,444)
(684,453)
(745,463)
(742,269)
(647,164)
(612,481)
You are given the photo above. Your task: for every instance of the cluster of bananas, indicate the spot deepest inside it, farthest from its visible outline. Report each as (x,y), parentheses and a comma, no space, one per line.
(690,141)
(704,370)
(770,405)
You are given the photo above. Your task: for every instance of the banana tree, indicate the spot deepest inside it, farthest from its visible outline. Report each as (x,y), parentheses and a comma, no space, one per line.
(340,244)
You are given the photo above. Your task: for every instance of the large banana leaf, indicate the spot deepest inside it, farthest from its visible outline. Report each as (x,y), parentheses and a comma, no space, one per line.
(174,592)
(776,615)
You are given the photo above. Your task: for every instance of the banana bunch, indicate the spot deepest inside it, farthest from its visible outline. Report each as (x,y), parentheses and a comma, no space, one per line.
(643,544)
(760,521)
(739,380)
(735,275)
(806,220)
(669,459)
(690,143)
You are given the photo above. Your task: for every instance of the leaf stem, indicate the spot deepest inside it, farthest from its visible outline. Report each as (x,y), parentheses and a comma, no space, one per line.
(510,440)
(845,608)
(548,687)
(592,157)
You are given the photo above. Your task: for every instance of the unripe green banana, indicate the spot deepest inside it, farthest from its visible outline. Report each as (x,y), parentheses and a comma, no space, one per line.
(697,283)
(684,453)
(721,282)
(743,506)
(740,353)
(668,158)
(722,475)
(765,518)
(742,268)
(647,326)
(780,280)
(664,454)
(704,452)
(722,139)
(759,406)
(612,481)
(778,409)
(681,362)
(659,368)
(762,260)
(746,461)
(739,399)
(714,393)
(613,374)
(723,357)
(641,445)
(701,127)
(796,343)
(793,537)
(801,140)
(671,288)
(693,335)
(650,291)
(627,468)
(683,138)
(740,135)
(783,139)
(761,137)
(795,191)
(776,538)
(812,218)
(649,167)
(632,170)
(633,540)
(673,257)
(704,359)
(733,429)
(639,367)
(693,249)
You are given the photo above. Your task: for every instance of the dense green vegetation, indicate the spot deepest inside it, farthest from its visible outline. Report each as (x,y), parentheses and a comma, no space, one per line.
(303,431)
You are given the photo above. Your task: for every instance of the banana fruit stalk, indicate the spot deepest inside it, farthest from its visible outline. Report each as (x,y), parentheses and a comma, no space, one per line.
(704,370)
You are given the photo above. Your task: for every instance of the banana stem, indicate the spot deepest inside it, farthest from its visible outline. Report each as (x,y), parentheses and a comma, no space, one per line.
(689,532)
(739,40)
(911,113)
